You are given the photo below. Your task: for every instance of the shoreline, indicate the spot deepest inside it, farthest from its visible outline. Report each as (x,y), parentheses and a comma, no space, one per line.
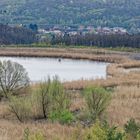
(74,53)
(115,71)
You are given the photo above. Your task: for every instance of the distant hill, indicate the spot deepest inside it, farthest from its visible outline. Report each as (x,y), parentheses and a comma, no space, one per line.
(111,13)
(16,35)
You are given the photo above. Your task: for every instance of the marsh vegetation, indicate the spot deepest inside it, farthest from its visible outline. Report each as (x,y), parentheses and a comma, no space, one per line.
(102,109)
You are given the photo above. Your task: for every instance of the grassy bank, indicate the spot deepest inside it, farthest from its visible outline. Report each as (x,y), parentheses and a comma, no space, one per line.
(116,74)
(72,53)
(45,45)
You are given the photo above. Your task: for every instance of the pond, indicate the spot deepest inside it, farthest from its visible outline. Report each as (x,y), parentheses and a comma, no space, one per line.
(66,69)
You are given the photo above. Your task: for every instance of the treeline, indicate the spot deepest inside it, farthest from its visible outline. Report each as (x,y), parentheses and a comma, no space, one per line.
(112,40)
(16,35)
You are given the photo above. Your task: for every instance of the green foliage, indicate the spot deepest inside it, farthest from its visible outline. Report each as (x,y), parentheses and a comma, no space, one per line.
(59,98)
(138,136)
(97,99)
(113,133)
(132,128)
(60,103)
(112,13)
(51,97)
(64,117)
(29,136)
(41,99)
(96,132)
(103,132)
(49,100)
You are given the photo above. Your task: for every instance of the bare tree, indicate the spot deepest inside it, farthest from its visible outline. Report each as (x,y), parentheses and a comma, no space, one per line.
(13,78)
(44,97)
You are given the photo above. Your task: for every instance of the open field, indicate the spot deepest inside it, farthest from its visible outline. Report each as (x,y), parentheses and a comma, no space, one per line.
(125,86)
(124,105)
(10,130)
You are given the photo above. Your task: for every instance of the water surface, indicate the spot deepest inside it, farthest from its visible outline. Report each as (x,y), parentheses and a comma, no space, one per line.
(67,69)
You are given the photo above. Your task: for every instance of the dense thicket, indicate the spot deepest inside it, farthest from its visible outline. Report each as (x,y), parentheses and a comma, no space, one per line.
(111,13)
(114,40)
(16,35)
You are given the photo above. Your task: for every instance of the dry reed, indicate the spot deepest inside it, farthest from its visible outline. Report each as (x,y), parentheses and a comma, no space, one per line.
(125,101)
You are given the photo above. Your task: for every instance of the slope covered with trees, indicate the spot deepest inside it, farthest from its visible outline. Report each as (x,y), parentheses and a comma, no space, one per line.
(123,13)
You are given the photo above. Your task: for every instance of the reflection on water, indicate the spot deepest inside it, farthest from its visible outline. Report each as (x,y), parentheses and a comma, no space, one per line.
(67,69)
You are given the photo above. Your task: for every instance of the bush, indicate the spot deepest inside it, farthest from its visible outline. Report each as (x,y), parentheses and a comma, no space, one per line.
(132,128)
(97,99)
(29,136)
(64,117)
(13,78)
(49,100)
(60,103)
(42,98)
(51,97)
(59,97)
(103,132)
(138,137)
(20,107)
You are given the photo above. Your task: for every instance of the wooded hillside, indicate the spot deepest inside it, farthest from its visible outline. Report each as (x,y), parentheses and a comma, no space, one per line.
(111,13)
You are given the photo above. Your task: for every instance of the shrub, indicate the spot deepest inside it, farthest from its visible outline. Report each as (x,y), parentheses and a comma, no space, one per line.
(20,107)
(42,98)
(59,97)
(29,136)
(13,78)
(103,132)
(49,100)
(138,137)
(64,117)
(97,99)
(132,128)
(60,103)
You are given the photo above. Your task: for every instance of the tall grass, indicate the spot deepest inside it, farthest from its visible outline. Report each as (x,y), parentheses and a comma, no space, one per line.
(124,104)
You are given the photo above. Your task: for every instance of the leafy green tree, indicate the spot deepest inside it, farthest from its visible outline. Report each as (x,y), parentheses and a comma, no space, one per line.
(97,99)
(60,103)
(59,97)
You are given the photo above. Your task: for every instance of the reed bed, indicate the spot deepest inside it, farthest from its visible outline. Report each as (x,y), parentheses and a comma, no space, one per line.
(15,131)
(116,76)
(124,104)
(90,54)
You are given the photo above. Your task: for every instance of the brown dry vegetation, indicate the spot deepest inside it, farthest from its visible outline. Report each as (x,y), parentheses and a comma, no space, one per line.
(90,54)
(124,104)
(14,131)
